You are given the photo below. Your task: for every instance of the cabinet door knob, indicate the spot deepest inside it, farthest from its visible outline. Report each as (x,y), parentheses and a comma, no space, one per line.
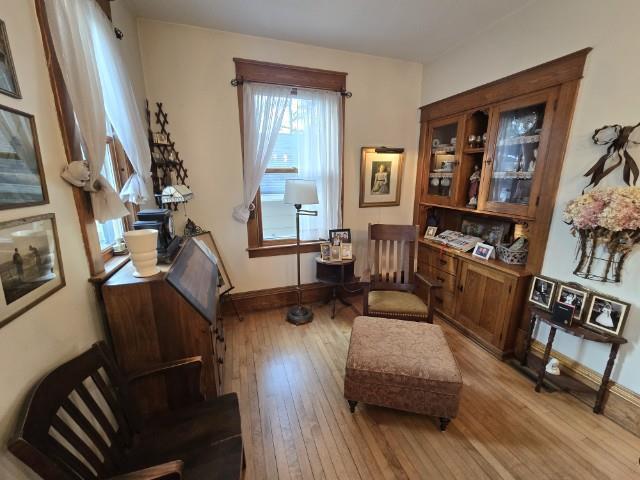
(460,287)
(220,360)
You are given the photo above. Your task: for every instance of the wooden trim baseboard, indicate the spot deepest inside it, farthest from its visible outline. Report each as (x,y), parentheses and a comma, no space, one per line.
(622,405)
(278,297)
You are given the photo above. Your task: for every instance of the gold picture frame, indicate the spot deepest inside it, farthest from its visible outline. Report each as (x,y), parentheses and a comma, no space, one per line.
(381,176)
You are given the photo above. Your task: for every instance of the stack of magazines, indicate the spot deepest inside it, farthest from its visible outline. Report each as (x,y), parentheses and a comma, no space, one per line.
(457,240)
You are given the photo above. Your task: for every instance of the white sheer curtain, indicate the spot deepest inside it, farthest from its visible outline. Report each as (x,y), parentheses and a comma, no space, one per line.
(263,109)
(97,83)
(319,159)
(122,109)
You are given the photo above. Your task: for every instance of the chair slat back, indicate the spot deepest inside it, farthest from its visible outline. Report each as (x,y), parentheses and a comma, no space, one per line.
(78,423)
(391,256)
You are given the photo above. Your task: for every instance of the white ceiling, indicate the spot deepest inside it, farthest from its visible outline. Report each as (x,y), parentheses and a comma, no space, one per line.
(417,30)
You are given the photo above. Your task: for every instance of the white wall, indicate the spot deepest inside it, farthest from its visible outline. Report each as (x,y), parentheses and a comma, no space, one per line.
(544,30)
(189,69)
(66,323)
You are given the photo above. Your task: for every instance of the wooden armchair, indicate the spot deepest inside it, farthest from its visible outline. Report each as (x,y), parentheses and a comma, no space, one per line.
(80,423)
(390,280)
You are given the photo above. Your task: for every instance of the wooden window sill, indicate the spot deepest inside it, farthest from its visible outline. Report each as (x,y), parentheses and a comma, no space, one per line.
(111,266)
(285,249)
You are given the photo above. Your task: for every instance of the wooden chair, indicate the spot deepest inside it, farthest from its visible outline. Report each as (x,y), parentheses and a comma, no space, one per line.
(390,280)
(80,424)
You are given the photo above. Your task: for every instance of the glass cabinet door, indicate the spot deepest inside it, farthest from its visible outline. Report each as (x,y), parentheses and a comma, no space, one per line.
(516,157)
(443,161)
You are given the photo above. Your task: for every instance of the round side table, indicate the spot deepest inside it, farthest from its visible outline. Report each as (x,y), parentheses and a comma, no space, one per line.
(338,275)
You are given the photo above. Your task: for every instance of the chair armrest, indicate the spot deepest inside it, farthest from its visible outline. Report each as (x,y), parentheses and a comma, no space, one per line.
(429,283)
(165,471)
(191,362)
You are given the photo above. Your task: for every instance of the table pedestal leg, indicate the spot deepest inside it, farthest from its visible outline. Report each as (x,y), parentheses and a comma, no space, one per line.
(527,347)
(605,378)
(545,359)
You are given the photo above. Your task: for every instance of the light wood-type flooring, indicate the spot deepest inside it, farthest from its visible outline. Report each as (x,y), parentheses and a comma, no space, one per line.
(296,423)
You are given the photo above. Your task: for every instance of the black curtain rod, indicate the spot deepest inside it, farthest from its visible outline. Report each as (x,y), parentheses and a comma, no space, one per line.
(237,82)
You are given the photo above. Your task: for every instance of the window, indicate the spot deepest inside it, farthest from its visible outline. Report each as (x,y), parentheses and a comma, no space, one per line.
(111,231)
(308,145)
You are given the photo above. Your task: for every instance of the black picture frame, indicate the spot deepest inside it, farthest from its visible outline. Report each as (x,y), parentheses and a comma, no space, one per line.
(22,155)
(579,301)
(343,233)
(7,64)
(542,292)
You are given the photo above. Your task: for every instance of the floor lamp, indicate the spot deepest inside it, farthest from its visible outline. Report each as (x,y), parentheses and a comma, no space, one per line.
(297,193)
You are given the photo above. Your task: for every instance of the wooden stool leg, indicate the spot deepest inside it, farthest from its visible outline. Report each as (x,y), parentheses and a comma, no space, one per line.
(532,326)
(545,359)
(443,423)
(605,378)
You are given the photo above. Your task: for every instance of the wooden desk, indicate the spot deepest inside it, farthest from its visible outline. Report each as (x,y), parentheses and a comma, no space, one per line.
(150,323)
(576,330)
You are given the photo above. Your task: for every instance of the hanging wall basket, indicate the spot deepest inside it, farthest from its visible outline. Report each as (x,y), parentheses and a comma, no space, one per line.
(607,224)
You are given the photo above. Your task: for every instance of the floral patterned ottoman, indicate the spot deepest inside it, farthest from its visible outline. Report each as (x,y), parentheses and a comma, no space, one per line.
(404,365)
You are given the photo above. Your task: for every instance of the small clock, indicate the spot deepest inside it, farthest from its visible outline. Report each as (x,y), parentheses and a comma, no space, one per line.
(160,219)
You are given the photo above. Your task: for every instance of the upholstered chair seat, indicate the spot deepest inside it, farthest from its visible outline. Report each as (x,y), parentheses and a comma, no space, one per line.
(397,303)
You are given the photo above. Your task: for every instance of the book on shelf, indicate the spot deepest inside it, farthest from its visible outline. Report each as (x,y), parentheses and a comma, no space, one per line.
(457,240)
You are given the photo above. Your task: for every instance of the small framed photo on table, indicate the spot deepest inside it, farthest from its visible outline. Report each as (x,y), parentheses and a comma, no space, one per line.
(431,232)
(542,292)
(325,251)
(346,251)
(573,297)
(607,314)
(340,235)
(336,253)
(483,251)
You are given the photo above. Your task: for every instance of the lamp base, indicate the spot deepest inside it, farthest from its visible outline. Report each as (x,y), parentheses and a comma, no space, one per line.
(299,315)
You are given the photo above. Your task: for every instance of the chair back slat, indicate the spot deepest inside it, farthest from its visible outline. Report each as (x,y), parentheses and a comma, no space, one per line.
(76,423)
(392,262)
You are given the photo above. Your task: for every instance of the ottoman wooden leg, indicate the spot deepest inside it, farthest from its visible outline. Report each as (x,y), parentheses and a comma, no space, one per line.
(352,405)
(443,423)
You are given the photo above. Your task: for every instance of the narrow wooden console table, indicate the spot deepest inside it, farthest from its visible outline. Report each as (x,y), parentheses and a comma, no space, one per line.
(576,330)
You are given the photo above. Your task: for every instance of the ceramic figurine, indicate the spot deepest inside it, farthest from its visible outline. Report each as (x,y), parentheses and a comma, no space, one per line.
(474,183)
(472,140)
(553,367)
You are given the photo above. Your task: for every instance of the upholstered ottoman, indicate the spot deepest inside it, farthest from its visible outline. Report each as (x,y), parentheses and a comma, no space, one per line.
(404,365)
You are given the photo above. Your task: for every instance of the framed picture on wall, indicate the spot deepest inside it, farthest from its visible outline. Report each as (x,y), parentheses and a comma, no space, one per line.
(8,78)
(380,176)
(30,264)
(20,161)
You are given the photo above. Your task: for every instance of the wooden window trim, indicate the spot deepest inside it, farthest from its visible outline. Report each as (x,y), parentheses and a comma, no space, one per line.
(291,76)
(71,140)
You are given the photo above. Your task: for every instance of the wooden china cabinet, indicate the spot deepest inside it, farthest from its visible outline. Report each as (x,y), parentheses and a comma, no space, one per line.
(513,133)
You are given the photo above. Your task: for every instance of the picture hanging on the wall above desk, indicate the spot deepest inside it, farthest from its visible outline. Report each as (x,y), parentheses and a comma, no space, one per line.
(30,264)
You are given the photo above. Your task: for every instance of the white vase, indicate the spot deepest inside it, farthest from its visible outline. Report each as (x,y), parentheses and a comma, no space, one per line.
(142,245)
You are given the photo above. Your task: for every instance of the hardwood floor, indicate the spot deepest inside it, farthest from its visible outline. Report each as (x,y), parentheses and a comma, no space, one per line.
(296,423)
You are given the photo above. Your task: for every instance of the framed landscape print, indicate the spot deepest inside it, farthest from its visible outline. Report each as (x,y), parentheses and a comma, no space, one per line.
(20,162)
(606,314)
(8,78)
(30,264)
(380,176)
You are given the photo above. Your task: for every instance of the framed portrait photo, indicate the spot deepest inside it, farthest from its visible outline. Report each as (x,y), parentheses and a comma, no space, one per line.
(340,235)
(574,297)
(607,314)
(20,160)
(30,266)
(8,78)
(431,232)
(483,251)
(542,291)
(335,253)
(325,251)
(380,176)
(346,251)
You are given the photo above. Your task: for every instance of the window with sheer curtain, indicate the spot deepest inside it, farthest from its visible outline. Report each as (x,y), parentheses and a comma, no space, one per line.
(292,121)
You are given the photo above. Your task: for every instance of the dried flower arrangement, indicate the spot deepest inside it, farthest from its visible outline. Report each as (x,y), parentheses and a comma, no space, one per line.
(606,219)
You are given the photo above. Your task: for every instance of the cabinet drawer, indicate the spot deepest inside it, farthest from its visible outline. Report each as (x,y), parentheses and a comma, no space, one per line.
(444,302)
(437,259)
(447,280)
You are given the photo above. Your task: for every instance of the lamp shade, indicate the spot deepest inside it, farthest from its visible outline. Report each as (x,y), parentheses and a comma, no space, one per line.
(302,192)
(176,194)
